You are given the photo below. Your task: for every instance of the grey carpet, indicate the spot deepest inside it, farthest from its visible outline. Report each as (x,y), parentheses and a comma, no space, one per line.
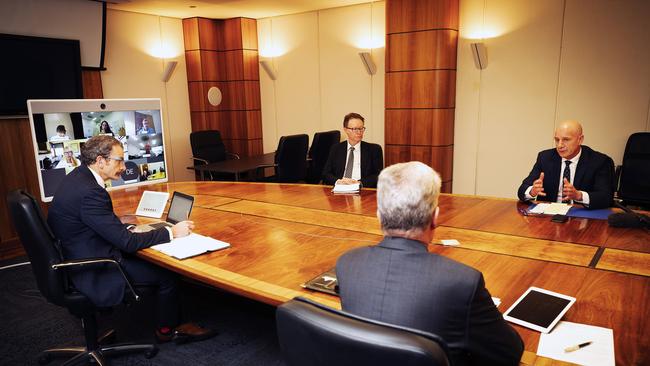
(30,324)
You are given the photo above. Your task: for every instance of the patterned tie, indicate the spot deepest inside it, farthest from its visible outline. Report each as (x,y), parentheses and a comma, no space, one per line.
(348,166)
(567,171)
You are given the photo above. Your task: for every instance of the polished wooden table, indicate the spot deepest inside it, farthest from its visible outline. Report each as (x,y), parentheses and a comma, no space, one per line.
(283,235)
(237,166)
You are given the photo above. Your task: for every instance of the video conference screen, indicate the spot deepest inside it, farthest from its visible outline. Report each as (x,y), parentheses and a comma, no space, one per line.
(61,127)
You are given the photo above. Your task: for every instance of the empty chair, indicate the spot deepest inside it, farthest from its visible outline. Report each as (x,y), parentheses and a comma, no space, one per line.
(634,173)
(208,147)
(318,153)
(314,334)
(291,159)
(50,272)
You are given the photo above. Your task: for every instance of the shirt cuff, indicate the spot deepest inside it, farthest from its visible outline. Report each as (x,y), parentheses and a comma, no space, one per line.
(171,235)
(585,198)
(527,194)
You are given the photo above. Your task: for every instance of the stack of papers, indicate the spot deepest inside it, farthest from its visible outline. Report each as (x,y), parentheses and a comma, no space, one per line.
(346,188)
(189,246)
(554,208)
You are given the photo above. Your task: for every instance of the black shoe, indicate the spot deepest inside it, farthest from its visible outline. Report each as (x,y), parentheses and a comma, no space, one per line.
(184,333)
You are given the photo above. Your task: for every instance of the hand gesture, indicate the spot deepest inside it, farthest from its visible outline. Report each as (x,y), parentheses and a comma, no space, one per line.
(569,192)
(346,181)
(538,186)
(183,228)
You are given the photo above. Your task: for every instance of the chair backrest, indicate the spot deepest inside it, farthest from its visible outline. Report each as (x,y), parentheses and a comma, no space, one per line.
(319,152)
(40,244)
(291,158)
(635,172)
(207,145)
(313,334)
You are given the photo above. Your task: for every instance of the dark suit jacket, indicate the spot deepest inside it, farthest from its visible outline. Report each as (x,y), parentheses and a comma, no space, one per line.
(594,175)
(399,282)
(81,216)
(372,162)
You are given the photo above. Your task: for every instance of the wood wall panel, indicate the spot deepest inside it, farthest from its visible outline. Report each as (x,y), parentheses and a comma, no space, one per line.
(421,89)
(251,65)
(209,35)
(418,15)
(437,157)
(191,34)
(432,127)
(249,33)
(193,65)
(92,84)
(214,66)
(405,50)
(232,35)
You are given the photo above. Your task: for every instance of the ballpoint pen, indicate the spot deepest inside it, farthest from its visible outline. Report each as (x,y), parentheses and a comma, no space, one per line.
(577,347)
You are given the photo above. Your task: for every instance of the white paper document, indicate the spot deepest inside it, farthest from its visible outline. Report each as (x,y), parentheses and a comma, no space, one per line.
(189,246)
(568,334)
(346,188)
(554,208)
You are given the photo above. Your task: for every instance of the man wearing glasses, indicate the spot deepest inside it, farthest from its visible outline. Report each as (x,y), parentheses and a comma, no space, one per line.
(82,218)
(354,161)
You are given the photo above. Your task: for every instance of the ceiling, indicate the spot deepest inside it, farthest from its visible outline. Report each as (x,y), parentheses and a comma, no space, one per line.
(223,9)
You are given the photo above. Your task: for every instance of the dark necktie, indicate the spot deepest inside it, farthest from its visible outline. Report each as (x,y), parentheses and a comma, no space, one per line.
(348,166)
(567,171)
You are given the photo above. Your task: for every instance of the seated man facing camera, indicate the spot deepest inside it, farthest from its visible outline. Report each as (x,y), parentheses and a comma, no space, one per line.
(82,218)
(400,282)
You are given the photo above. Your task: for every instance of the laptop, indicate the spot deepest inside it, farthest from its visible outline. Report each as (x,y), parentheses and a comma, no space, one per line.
(179,210)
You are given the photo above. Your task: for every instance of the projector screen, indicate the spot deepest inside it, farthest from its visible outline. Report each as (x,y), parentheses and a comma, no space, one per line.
(61,127)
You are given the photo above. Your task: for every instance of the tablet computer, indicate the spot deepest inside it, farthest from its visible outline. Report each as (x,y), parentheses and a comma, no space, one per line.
(539,309)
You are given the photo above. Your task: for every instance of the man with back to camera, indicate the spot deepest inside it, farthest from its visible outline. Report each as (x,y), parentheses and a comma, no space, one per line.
(399,282)
(353,161)
(570,172)
(82,218)
(145,130)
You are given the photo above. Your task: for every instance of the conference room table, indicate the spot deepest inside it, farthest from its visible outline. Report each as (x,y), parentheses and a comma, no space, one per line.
(237,167)
(283,235)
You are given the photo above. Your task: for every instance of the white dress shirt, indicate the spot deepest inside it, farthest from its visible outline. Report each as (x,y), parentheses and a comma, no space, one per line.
(356,167)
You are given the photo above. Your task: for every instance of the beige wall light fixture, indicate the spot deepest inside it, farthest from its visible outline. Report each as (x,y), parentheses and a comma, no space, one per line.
(169,70)
(366,58)
(268,67)
(479,51)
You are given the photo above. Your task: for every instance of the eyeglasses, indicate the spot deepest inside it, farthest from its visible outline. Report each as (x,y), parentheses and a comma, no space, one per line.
(119,160)
(359,129)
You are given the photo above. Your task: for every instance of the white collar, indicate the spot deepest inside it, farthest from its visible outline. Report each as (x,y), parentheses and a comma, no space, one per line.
(575,159)
(98,178)
(354,146)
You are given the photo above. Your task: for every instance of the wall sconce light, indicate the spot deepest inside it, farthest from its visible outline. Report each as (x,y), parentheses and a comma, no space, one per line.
(480,55)
(268,67)
(169,70)
(366,58)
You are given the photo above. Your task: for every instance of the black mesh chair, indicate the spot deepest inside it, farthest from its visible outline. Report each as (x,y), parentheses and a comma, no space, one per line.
(319,152)
(634,173)
(44,253)
(314,334)
(291,159)
(208,147)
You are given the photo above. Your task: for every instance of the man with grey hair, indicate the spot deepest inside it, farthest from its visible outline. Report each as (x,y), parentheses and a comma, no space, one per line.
(400,282)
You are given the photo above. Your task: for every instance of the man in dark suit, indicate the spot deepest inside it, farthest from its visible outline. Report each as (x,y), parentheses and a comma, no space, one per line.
(353,161)
(400,282)
(571,172)
(82,218)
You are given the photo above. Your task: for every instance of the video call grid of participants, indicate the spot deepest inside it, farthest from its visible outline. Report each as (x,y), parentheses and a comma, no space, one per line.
(139,131)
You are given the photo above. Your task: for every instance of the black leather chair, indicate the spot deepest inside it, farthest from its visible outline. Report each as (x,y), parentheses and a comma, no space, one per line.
(314,334)
(208,147)
(291,159)
(44,253)
(634,174)
(319,152)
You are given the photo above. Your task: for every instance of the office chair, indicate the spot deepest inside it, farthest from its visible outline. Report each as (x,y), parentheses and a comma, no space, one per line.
(44,253)
(291,159)
(319,152)
(634,174)
(314,334)
(208,147)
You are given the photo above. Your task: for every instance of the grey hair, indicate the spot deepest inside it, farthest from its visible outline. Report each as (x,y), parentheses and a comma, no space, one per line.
(407,196)
(101,145)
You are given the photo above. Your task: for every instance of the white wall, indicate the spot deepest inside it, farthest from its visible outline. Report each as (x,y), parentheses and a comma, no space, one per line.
(547,61)
(320,77)
(136,45)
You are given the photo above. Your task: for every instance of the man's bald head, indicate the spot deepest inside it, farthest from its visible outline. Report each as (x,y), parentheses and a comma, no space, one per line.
(568,138)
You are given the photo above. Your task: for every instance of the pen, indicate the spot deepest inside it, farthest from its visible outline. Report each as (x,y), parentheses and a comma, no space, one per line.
(577,347)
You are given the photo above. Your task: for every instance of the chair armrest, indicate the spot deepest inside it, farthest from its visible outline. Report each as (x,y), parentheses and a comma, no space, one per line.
(617,177)
(200,160)
(94,261)
(232,155)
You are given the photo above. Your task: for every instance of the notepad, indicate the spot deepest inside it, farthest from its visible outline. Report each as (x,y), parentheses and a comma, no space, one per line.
(190,246)
(554,208)
(346,188)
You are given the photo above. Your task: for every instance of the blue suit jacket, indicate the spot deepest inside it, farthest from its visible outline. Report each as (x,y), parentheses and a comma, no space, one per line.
(594,175)
(372,162)
(81,217)
(399,282)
